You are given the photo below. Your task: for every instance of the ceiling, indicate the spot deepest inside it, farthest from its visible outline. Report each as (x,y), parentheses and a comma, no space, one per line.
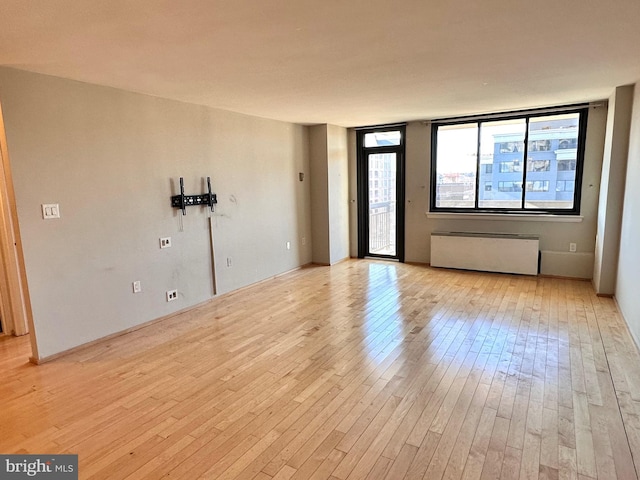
(347,62)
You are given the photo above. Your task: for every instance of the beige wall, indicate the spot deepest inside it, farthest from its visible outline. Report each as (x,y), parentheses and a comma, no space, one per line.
(112,159)
(614,167)
(329,193)
(554,236)
(628,278)
(338,176)
(321,247)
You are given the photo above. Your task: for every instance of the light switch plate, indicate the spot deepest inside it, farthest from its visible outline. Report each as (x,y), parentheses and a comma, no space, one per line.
(50,210)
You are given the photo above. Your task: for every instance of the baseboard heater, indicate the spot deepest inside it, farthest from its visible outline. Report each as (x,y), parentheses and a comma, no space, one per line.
(489,252)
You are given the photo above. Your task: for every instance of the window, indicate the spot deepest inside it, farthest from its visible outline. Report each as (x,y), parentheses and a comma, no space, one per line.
(510,167)
(565,186)
(566,143)
(509,186)
(533,151)
(539,146)
(566,165)
(382,138)
(511,147)
(538,186)
(538,165)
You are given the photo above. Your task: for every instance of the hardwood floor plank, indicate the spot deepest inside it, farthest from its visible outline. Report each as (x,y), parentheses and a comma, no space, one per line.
(366,369)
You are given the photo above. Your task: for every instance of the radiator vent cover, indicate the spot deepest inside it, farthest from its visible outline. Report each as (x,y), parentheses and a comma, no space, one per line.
(489,252)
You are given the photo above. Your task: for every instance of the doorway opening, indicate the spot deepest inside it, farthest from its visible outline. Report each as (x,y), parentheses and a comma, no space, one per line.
(381,192)
(15,306)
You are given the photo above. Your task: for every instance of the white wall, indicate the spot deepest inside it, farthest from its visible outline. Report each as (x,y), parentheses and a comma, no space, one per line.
(614,167)
(628,279)
(112,159)
(554,236)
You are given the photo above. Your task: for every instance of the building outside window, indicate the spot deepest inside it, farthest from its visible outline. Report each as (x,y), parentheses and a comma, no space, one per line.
(540,145)
(509,186)
(538,186)
(538,165)
(566,165)
(565,186)
(509,167)
(567,143)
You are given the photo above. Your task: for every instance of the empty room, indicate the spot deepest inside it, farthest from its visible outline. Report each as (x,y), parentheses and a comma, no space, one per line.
(319,240)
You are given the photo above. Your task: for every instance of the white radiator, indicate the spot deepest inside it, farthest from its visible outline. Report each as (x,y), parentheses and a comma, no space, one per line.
(490,252)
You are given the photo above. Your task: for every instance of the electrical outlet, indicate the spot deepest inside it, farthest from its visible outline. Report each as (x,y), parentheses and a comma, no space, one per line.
(304,240)
(288,245)
(573,247)
(172,295)
(50,210)
(165,242)
(137,287)
(229,261)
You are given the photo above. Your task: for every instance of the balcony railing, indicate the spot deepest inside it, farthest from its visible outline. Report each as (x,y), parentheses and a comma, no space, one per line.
(382,228)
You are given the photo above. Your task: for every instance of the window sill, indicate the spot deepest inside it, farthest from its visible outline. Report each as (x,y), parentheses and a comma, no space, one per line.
(506,217)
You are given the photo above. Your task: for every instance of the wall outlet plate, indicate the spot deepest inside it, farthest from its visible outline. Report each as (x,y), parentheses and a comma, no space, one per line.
(172,295)
(50,210)
(165,242)
(573,247)
(137,286)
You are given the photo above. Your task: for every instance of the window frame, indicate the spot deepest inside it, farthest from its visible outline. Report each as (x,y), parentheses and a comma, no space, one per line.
(527,115)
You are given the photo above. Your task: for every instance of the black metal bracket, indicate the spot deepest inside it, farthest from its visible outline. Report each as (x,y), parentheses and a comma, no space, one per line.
(183,201)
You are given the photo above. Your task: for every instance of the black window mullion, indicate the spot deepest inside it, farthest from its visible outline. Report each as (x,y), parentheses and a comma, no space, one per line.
(477,194)
(579,162)
(525,166)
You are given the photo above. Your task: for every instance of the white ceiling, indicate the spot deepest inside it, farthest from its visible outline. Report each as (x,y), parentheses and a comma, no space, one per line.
(347,62)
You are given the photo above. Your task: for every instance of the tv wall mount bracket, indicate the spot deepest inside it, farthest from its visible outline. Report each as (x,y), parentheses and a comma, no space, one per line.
(183,201)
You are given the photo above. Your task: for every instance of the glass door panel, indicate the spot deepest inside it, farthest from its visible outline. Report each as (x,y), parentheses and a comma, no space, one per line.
(382,196)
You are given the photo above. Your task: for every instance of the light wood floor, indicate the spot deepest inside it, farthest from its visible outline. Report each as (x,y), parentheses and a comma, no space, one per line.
(362,370)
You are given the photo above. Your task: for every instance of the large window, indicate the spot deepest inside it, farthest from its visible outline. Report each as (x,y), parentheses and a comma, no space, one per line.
(481,164)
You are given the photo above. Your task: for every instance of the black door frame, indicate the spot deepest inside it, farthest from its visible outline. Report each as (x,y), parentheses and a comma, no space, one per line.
(363,189)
